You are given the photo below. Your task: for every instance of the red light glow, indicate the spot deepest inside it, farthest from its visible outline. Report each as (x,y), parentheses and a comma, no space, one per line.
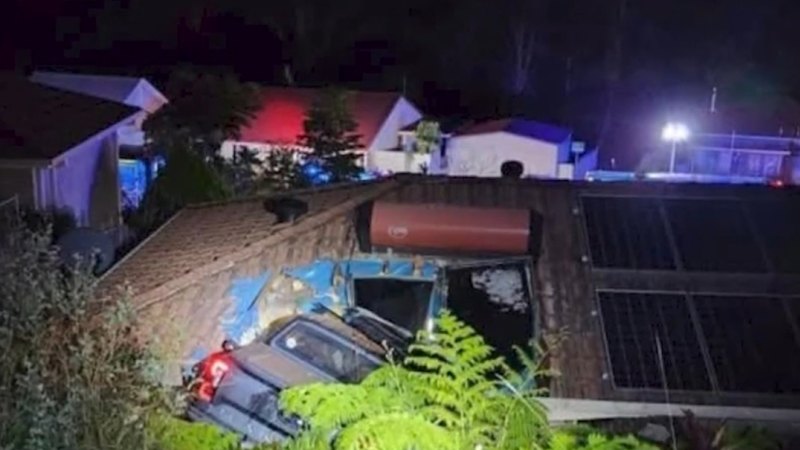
(214,369)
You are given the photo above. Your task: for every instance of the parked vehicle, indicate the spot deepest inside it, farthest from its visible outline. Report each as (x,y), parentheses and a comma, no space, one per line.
(238,388)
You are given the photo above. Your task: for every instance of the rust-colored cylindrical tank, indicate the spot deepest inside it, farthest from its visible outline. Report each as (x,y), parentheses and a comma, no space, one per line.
(452,229)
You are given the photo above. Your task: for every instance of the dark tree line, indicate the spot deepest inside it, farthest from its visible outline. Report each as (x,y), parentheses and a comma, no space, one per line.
(600,66)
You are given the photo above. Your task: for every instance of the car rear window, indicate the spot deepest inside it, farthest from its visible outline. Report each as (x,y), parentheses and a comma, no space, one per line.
(327,352)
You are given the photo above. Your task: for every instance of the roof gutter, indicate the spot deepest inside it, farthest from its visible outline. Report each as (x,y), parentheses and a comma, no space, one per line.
(570,410)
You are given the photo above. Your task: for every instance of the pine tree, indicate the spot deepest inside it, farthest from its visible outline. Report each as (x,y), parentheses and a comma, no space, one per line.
(330,132)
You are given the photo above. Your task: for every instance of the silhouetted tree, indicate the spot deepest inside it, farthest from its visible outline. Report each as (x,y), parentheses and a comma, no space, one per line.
(330,133)
(204,111)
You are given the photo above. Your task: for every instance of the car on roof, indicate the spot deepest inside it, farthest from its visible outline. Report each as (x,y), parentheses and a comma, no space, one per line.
(238,388)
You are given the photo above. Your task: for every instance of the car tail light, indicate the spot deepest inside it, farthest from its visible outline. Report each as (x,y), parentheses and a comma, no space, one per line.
(211,374)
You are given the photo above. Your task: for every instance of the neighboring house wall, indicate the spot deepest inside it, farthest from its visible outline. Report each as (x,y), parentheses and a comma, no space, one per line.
(85,182)
(482,155)
(586,163)
(388,161)
(262,150)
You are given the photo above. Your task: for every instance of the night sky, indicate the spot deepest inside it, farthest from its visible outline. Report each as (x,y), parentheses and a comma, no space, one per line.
(612,69)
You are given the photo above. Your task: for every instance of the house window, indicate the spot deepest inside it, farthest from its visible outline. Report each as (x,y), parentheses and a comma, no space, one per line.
(404,302)
(495,299)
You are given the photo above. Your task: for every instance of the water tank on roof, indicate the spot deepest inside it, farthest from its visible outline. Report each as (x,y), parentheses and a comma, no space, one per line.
(442,228)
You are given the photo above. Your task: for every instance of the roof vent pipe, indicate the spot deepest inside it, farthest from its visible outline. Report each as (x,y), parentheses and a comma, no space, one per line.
(286,209)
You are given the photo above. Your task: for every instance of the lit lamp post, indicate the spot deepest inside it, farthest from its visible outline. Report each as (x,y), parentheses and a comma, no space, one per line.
(674,133)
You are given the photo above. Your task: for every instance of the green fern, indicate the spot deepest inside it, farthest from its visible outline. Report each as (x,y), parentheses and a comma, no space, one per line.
(444,395)
(587,439)
(451,370)
(171,433)
(395,431)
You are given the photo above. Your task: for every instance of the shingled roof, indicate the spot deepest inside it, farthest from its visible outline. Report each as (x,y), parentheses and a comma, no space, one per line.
(38,122)
(205,238)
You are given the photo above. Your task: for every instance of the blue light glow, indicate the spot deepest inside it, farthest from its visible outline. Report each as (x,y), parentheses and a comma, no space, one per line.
(135,177)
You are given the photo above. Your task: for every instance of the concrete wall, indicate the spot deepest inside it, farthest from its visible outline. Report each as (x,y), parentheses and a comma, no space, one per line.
(385,161)
(482,155)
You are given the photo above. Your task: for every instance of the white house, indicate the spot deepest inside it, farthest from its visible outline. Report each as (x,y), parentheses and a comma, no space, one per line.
(59,150)
(543,150)
(279,124)
(131,91)
(136,169)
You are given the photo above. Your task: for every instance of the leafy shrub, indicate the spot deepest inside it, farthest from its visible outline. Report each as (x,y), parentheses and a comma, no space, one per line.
(588,439)
(699,436)
(74,374)
(170,433)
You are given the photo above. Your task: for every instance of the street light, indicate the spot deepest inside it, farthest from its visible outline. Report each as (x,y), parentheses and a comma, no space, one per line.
(674,132)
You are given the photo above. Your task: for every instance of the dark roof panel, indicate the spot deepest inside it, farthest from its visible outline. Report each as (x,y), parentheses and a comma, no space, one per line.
(38,122)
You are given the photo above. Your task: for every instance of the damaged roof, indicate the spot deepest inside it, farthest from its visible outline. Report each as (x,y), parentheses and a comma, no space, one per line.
(183,275)
(203,238)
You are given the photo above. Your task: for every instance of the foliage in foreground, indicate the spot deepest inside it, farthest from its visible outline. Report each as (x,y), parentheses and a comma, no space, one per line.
(74,375)
(187,178)
(450,393)
(172,433)
(570,440)
(698,436)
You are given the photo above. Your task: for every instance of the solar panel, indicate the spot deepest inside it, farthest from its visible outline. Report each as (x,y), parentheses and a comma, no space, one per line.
(778,225)
(627,233)
(631,322)
(752,345)
(713,236)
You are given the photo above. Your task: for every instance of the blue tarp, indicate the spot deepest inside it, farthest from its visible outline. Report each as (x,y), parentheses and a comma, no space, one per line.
(241,320)
(329,282)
